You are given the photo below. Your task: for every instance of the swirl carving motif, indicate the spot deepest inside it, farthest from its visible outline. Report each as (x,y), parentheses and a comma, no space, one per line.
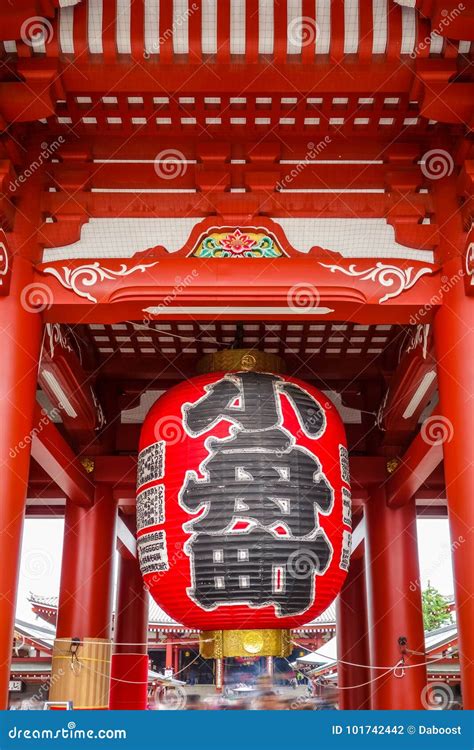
(81,278)
(400,279)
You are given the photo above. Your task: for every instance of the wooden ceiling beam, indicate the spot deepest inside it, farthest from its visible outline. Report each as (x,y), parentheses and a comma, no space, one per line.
(86,76)
(416,465)
(58,460)
(160,372)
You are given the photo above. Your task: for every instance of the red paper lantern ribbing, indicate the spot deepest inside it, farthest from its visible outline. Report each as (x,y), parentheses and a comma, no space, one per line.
(243,502)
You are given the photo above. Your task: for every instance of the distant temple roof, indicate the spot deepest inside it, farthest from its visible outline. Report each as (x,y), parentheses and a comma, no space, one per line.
(46,606)
(438,642)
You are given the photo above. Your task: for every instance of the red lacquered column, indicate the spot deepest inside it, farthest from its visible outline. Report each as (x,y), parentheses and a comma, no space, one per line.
(352,640)
(454,339)
(169,656)
(82,650)
(393,603)
(20,335)
(129,668)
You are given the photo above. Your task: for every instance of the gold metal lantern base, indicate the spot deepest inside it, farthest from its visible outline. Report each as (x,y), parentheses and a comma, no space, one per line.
(241,359)
(215,644)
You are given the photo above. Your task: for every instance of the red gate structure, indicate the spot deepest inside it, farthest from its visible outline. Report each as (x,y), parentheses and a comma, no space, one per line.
(179,176)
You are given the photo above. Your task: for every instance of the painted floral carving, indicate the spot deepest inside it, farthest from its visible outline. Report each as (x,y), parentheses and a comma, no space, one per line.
(238,244)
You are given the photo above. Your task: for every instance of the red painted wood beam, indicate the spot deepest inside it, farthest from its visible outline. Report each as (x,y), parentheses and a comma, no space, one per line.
(250,293)
(68,386)
(314,176)
(318,371)
(24,101)
(45,511)
(367,471)
(86,77)
(449,102)
(449,18)
(431,511)
(116,470)
(411,388)
(16,15)
(277,204)
(58,460)
(420,460)
(204,146)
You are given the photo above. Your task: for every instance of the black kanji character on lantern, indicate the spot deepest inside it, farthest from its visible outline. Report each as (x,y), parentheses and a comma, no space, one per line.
(267,488)
(310,414)
(259,476)
(258,570)
(251,400)
(248,399)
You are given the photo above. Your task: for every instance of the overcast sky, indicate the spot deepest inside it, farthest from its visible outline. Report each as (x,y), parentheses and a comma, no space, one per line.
(42,549)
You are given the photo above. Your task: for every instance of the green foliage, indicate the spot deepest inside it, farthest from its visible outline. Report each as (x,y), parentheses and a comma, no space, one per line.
(435,609)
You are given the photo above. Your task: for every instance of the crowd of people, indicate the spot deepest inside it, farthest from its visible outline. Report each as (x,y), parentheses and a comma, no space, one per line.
(263,696)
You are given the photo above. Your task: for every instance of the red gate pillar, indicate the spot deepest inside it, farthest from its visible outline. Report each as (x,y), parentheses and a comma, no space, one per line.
(129,667)
(169,656)
(352,640)
(81,655)
(20,332)
(454,340)
(393,603)
(175,659)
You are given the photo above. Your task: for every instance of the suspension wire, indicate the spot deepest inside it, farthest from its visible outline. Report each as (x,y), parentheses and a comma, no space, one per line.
(370,666)
(149,644)
(191,339)
(137,682)
(362,684)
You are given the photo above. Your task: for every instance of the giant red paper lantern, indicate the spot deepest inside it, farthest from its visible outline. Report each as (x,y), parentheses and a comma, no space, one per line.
(243,502)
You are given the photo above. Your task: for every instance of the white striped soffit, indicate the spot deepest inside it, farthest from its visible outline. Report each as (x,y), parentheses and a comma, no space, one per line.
(122,238)
(299,27)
